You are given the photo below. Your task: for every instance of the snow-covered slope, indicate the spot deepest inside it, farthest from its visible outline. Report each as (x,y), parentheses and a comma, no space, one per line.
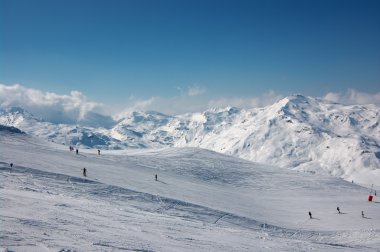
(202,201)
(297,132)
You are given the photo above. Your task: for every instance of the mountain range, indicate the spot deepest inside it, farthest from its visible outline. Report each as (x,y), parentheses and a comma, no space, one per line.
(297,132)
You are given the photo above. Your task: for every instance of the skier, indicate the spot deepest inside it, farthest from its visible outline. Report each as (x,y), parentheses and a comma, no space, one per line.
(84,172)
(311,217)
(77,151)
(156,177)
(98,152)
(362,214)
(338,209)
(11,164)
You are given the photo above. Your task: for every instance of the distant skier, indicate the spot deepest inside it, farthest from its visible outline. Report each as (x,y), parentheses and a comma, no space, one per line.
(338,209)
(362,214)
(375,192)
(11,164)
(155,176)
(98,152)
(311,217)
(77,151)
(84,172)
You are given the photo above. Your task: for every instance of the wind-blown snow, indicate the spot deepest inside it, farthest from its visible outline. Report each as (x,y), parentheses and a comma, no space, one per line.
(297,132)
(202,201)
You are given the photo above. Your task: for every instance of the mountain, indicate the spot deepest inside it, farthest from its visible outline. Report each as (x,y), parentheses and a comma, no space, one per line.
(143,129)
(14,116)
(67,134)
(298,132)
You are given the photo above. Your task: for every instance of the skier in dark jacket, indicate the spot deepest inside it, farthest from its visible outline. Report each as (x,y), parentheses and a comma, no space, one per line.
(311,217)
(155,177)
(338,209)
(84,172)
(11,164)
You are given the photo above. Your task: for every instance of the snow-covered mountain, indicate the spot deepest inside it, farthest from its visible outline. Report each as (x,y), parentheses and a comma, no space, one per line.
(59,133)
(297,132)
(143,129)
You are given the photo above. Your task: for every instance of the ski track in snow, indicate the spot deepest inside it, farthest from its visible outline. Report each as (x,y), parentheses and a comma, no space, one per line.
(203,201)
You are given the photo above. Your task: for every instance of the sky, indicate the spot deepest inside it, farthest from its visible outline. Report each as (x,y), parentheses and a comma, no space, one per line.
(181,56)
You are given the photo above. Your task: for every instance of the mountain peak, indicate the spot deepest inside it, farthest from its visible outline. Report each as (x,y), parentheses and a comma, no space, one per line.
(228,109)
(17,110)
(297,99)
(13,115)
(296,103)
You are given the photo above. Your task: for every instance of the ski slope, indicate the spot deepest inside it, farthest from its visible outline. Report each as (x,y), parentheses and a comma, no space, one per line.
(202,201)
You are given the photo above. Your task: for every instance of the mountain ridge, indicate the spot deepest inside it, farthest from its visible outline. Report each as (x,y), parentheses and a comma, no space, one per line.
(298,132)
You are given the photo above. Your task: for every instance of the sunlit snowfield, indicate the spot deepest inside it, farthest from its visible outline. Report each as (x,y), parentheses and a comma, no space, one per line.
(202,201)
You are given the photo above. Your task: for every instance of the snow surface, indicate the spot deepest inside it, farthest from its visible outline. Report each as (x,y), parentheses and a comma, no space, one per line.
(297,132)
(202,201)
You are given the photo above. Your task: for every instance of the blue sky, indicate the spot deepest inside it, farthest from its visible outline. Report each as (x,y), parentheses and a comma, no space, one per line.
(119,50)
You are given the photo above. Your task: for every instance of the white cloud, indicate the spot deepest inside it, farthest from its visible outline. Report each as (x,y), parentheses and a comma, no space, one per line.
(136,104)
(352,96)
(184,103)
(247,102)
(195,90)
(170,106)
(47,105)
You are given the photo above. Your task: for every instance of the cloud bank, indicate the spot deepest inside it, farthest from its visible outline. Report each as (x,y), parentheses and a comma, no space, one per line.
(171,106)
(247,102)
(191,99)
(49,106)
(352,97)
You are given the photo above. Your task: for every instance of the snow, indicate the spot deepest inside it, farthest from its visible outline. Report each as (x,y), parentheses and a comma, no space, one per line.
(298,132)
(202,201)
